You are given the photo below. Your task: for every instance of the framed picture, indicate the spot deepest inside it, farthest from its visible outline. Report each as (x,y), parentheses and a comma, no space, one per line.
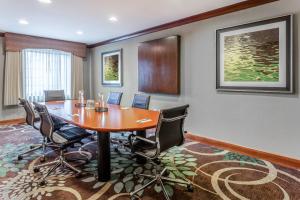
(256,57)
(112,70)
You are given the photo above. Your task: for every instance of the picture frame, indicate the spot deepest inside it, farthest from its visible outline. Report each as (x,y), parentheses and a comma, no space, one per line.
(256,57)
(112,68)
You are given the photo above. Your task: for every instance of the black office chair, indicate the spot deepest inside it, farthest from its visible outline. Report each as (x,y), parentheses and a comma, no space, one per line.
(54,95)
(34,121)
(141,101)
(63,138)
(169,133)
(114,98)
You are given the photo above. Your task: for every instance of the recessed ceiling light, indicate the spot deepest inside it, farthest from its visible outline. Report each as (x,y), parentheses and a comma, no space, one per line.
(45,1)
(79,32)
(23,21)
(113,19)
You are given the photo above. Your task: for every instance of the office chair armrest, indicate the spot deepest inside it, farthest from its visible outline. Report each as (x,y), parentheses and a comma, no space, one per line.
(134,137)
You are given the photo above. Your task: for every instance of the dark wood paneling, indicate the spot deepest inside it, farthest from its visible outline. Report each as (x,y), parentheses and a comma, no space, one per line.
(274,158)
(17,42)
(202,16)
(159,66)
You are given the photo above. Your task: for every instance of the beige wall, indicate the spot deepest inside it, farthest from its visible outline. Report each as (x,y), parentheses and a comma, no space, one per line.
(267,122)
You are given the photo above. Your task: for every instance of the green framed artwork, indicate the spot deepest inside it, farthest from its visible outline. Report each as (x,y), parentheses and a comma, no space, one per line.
(112,71)
(256,57)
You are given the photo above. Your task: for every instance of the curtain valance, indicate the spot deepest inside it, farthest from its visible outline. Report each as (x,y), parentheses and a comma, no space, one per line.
(17,42)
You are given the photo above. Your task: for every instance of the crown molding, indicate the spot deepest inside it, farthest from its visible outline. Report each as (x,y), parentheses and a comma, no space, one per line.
(202,16)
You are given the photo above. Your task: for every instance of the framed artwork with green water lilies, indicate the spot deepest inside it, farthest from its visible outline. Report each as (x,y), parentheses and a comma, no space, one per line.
(256,57)
(112,72)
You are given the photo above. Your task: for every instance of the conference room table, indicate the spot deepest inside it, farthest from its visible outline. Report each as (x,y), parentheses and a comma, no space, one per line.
(117,119)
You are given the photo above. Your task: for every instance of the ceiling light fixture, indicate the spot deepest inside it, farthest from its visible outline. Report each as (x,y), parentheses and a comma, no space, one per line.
(79,32)
(113,19)
(45,1)
(23,22)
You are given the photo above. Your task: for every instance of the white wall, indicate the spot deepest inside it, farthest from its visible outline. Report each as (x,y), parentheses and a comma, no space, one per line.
(267,122)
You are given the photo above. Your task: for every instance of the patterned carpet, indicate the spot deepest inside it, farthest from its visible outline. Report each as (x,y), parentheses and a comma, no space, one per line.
(215,173)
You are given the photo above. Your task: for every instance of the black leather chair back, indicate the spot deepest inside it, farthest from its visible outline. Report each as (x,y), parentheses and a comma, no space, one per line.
(169,131)
(30,116)
(114,98)
(54,95)
(141,101)
(47,125)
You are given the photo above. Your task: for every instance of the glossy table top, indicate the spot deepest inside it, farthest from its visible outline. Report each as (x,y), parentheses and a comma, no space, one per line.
(117,118)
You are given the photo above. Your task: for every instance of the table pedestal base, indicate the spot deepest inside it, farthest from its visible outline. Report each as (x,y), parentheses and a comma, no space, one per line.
(104,157)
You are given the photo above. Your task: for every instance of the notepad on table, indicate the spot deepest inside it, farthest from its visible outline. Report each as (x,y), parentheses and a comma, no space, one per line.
(143,120)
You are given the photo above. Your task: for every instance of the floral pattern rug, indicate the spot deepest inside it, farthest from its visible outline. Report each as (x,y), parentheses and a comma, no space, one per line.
(215,174)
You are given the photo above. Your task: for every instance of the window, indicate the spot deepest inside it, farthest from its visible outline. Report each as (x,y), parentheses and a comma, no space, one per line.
(45,69)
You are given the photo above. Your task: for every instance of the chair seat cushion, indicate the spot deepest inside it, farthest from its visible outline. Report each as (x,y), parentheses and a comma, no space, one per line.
(58,123)
(70,135)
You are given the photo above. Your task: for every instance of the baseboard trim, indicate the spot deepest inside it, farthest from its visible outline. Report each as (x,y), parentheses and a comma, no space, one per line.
(274,158)
(12,121)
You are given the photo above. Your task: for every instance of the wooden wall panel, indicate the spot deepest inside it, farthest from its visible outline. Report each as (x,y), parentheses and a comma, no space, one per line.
(159,66)
(17,42)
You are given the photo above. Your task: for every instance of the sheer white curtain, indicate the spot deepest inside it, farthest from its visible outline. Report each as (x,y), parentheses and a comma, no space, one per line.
(45,69)
(12,78)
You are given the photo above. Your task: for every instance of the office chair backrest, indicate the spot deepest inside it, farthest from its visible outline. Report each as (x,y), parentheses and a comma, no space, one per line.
(30,116)
(114,98)
(141,101)
(54,95)
(169,131)
(47,125)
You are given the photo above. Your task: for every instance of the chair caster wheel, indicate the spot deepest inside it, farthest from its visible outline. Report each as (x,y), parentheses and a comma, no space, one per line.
(20,157)
(79,175)
(36,170)
(190,188)
(42,183)
(42,159)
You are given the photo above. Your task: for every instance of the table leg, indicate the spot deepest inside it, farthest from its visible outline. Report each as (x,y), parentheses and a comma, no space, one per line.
(140,159)
(103,157)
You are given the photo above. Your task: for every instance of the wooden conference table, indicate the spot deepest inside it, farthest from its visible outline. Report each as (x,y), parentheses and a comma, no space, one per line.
(117,119)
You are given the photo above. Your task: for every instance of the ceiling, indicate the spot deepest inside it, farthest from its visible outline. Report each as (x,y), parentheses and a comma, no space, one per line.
(63,18)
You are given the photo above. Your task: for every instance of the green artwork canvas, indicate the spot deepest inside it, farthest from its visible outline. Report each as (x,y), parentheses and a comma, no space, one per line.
(111,68)
(256,57)
(252,56)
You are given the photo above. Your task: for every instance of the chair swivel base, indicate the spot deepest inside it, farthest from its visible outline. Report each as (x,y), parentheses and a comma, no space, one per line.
(35,147)
(60,162)
(159,179)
